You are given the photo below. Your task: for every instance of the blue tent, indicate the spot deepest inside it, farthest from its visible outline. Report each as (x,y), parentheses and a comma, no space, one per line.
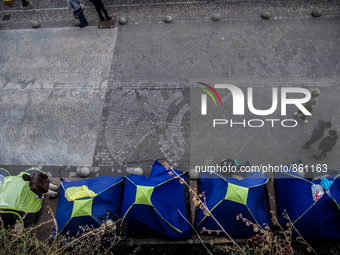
(85,202)
(152,204)
(228,197)
(316,215)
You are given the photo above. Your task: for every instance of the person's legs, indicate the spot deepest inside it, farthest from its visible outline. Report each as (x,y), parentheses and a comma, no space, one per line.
(99,12)
(298,113)
(81,17)
(321,153)
(52,190)
(53,187)
(105,12)
(312,140)
(52,193)
(302,117)
(82,14)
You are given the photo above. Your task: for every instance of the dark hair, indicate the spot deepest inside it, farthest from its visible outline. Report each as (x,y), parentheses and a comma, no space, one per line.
(332,132)
(328,124)
(26,177)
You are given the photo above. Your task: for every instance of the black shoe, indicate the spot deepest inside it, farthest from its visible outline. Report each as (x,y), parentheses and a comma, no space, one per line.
(109,18)
(304,121)
(306,147)
(81,26)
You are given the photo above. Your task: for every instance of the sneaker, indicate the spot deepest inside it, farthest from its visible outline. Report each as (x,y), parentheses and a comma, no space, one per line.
(306,147)
(304,121)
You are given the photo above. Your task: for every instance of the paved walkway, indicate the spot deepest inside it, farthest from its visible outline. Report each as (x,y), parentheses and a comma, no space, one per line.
(116,98)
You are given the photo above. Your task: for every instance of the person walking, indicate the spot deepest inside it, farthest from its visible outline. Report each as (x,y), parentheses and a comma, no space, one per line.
(100,8)
(76,6)
(326,145)
(310,105)
(317,133)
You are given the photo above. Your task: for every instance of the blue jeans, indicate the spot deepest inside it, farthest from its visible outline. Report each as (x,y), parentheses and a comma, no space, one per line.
(81,17)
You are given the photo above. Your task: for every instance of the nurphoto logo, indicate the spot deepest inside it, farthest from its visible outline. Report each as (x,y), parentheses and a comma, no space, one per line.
(238,106)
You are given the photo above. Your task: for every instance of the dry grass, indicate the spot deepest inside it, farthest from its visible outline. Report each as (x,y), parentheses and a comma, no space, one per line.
(17,240)
(264,242)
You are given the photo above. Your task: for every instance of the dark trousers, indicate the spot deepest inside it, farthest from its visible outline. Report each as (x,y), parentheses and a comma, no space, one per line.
(303,117)
(321,153)
(100,8)
(312,140)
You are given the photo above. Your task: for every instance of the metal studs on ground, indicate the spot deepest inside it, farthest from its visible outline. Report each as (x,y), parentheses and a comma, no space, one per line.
(168,19)
(36,24)
(135,170)
(123,20)
(216,17)
(316,13)
(265,15)
(83,171)
(194,174)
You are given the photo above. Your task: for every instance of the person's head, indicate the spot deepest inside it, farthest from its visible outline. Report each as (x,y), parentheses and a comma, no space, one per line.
(332,133)
(328,125)
(315,92)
